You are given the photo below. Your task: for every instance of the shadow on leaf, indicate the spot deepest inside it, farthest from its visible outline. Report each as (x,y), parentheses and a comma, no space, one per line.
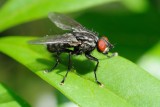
(81,66)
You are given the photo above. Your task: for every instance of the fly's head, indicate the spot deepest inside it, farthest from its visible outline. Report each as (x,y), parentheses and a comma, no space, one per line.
(103,45)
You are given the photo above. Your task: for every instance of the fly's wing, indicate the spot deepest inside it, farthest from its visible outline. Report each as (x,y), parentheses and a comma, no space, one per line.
(64,22)
(66,38)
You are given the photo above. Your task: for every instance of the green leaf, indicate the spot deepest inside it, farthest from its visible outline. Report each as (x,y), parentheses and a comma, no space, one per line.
(19,11)
(9,99)
(150,61)
(82,91)
(62,101)
(125,84)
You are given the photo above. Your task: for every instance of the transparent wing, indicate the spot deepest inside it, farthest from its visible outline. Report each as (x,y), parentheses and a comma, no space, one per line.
(66,38)
(64,22)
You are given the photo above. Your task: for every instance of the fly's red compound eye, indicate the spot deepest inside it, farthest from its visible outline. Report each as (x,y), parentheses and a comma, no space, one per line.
(101,45)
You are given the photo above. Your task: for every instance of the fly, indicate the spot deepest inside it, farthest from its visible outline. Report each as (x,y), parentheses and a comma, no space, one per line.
(82,40)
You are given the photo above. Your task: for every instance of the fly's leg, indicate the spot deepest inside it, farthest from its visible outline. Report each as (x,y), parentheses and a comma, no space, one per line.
(69,67)
(57,62)
(95,69)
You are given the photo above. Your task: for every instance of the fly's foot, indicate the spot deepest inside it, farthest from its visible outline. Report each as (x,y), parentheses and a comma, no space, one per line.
(100,84)
(46,71)
(62,82)
(113,54)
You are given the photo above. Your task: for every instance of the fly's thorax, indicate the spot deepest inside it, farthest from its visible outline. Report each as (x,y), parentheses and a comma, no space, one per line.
(87,46)
(88,40)
(86,35)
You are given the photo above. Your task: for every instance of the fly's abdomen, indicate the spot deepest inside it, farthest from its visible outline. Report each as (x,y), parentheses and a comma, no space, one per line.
(51,48)
(59,47)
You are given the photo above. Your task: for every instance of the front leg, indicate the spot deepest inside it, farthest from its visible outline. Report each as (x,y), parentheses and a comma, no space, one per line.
(95,69)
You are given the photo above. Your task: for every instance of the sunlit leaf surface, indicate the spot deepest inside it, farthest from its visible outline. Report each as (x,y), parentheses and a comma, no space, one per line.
(125,84)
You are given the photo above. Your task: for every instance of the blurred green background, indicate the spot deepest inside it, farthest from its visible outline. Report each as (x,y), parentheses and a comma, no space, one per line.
(133,26)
